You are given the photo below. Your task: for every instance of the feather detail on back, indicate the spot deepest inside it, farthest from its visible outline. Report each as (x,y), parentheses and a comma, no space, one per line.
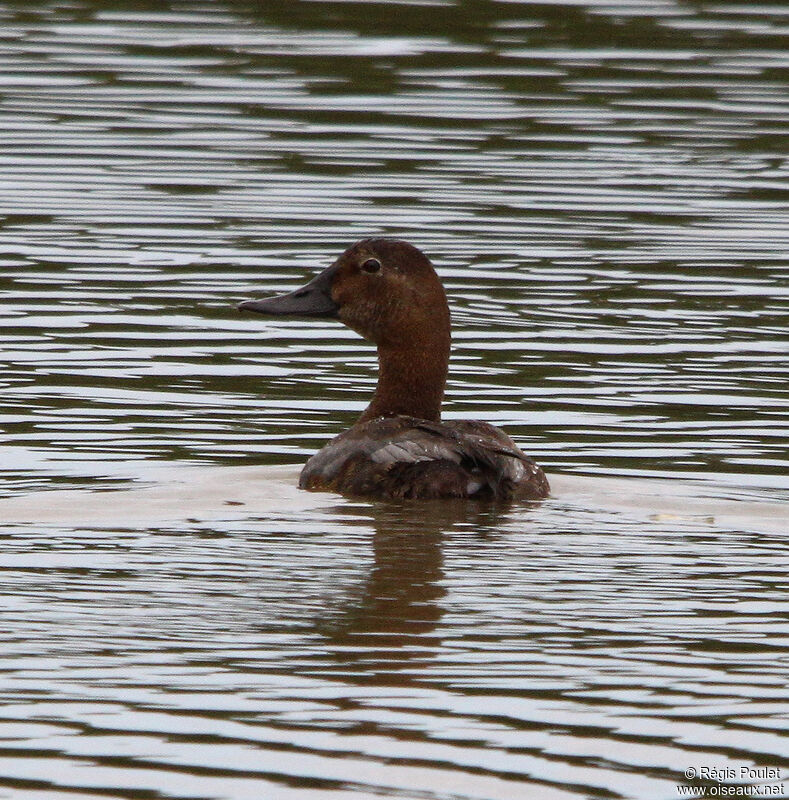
(406,457)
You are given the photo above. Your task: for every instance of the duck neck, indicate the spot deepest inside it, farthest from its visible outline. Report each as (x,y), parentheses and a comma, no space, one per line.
(411,379)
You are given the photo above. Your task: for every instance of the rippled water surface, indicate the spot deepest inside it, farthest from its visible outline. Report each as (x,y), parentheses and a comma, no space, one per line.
(603,187)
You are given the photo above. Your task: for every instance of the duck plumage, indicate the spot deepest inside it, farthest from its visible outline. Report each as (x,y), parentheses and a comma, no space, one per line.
(406,457)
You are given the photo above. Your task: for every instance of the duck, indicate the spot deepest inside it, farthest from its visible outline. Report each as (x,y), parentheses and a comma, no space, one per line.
(388,291)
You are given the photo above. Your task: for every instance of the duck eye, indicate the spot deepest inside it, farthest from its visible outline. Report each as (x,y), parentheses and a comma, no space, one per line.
(371,265)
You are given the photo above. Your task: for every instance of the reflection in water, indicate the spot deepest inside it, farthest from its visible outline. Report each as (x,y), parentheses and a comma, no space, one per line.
(386,627)
(400,599)
(552,650)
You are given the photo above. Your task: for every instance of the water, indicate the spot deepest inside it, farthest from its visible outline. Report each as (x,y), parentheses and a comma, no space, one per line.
(603,188)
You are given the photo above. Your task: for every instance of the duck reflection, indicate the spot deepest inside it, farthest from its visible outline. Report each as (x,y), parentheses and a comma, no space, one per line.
(389,625)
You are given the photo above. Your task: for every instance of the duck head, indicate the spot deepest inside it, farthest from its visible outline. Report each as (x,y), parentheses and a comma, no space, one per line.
(388,292)
(384,289)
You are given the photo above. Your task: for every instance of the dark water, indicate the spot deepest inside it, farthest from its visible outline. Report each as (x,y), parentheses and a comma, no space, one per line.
(603,187)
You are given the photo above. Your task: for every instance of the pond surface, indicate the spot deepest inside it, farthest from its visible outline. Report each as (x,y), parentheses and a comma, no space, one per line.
(602,186)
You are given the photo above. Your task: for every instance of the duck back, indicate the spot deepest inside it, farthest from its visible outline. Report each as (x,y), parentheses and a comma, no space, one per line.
(405,457)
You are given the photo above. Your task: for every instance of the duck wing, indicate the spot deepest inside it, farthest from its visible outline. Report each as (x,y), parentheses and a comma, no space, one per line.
(407,457)
(505,469)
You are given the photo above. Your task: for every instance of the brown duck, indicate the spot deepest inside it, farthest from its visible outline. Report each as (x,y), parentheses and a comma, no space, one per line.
(387,291)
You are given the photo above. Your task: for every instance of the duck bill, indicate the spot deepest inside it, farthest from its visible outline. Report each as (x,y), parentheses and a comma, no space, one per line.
(311,300)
